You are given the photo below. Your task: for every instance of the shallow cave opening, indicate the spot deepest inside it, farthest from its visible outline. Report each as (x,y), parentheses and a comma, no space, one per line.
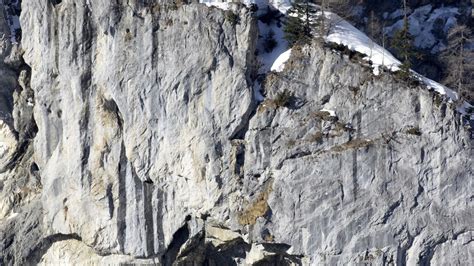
(56,2)
(34,168)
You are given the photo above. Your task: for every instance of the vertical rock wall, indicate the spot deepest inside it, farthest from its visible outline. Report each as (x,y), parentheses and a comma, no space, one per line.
(148,146)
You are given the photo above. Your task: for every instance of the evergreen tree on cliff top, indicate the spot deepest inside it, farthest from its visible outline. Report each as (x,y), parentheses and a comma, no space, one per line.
(402,42)
(301,21)
(459,61)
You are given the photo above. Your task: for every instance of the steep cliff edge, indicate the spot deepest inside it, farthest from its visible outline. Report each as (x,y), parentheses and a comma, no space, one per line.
(149,146)
(365,169)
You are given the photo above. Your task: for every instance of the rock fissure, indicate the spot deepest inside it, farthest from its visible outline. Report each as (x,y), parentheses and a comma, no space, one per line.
(145,113)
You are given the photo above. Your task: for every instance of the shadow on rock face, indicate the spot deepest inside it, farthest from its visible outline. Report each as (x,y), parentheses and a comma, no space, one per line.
(209,248)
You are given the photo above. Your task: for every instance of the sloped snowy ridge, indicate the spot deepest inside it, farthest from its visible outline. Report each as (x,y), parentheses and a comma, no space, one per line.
(270,26)
(342,32)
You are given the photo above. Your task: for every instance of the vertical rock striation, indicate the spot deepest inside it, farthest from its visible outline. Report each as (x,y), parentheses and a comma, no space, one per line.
(148,146)
(135,105)
(387,179)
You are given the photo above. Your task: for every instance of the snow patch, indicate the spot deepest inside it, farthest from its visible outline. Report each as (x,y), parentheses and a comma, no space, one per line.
(221,5)
(423,21)
(467,110)
(443,90)
(282,5)
(332,113)
(268,58)
(395,14)
(344,33)
(279,63)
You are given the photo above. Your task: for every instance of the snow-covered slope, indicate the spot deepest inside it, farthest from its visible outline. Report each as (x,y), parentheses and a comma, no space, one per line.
(271,59)
(343,33)
(131,156)
(279,63)
(281,5)
(423,22)
(274,58)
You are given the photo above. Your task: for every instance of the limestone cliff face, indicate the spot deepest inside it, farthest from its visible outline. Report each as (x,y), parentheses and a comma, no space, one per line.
(388,180)
(148,145)
(135,108)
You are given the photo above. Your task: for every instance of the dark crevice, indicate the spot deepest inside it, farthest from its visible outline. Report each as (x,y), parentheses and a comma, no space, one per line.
(158,223)
(87,90)
(111,107)
(34,167)
(355,185)
(148,209)
(243,127)
(179,238)
(252,78)
(427,255)
(23,145)
(418,194)
(110,200)
(56,2)
(391,209)
(122,196)
(25,125)
(46,243)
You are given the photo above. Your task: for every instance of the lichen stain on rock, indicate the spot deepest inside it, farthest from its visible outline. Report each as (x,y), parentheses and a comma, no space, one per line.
(258,208)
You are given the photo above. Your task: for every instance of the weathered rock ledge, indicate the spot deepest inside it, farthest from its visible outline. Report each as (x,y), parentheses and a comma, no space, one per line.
(148,146)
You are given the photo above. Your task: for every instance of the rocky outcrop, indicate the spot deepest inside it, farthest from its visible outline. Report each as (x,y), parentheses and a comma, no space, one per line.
(386,179)
(135,109)
(20,209)
(148,145)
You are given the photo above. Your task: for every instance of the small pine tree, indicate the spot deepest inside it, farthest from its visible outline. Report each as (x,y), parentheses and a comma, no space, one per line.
(460,61)
(300,22)
(321,21)
(402,42)
(270,42)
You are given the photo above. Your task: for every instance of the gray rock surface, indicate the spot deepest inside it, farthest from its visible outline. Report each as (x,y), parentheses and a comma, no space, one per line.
(387,180)
(148,146)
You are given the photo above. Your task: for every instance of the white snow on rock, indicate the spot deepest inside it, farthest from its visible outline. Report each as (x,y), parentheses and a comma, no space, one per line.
(281,5)
(331,112)
(422,21)
(279,63)
(266,58)
(218,4)
(344,33)
(395,14)
(441,89)
(467,110)
(269,60)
